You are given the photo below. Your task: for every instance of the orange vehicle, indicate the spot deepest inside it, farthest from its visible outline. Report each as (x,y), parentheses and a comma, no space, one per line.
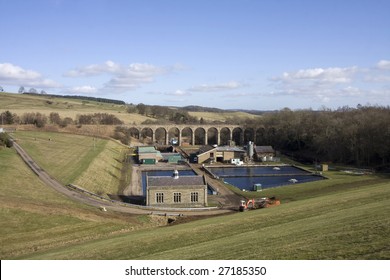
(264,202)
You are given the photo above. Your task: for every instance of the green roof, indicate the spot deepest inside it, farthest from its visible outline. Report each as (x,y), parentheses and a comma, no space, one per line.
(146,150)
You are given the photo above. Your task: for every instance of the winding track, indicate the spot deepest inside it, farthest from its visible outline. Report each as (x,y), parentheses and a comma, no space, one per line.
(109,205)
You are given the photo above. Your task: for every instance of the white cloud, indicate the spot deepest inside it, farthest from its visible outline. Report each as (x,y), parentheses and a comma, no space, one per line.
(320,75)
(179,93)
(125,77)
(15,75)
(322,84)
(243,95)
(383,65)
(82,90)
(217,87)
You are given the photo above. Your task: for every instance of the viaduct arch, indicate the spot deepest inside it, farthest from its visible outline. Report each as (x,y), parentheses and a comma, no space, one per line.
(196,134)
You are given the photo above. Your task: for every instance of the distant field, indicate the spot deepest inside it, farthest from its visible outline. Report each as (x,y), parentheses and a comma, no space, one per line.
(24,103)
(218,116)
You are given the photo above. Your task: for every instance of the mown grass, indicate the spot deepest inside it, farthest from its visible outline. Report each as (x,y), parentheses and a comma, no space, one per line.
(349,224)
(91,163)
(33,217)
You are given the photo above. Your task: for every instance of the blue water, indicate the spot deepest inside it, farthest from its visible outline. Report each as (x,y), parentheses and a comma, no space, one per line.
(256,171)
(246,183)
(245,177)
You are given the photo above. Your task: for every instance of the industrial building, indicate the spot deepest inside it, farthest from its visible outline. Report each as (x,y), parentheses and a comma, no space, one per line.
(148,155)
(264,153)
(176,191)
(219,154)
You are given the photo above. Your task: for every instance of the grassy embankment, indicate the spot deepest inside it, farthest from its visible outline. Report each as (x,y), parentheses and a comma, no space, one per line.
(35,218)
(350,224)
(91,163)
(345,217)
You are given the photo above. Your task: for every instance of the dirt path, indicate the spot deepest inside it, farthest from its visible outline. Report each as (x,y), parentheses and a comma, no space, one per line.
(135,186)
(95,202)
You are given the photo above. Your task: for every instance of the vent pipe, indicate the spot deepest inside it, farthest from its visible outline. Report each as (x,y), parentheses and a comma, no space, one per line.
(175,174)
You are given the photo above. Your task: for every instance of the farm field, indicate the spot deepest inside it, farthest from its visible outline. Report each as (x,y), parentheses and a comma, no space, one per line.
(222,116)
(345,217)
(65,107)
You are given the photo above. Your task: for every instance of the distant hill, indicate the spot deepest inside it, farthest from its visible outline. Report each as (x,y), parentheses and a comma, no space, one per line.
(71,106)
(194,108)
(88,98)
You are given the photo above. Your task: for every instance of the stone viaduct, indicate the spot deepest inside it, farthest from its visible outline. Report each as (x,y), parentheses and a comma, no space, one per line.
(196,134)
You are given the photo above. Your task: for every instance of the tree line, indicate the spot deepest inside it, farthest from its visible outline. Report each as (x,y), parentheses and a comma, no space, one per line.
(163,114)
(358,136)
(33,91)
(40,120)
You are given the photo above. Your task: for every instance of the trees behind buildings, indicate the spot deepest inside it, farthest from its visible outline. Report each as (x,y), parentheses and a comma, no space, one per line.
(354,136)
(359,136)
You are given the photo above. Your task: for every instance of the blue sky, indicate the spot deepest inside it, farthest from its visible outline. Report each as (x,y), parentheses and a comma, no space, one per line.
(244,54)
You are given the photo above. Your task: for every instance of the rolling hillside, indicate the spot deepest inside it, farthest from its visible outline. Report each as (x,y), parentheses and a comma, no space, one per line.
(65,107)
(68,107)
(345,217)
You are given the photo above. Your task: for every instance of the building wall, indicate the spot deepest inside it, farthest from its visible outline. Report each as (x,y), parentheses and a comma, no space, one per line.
(204,157)
(228,155)
(185,192)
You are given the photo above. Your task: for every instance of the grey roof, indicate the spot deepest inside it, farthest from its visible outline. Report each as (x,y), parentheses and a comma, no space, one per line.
(205,149)
(229,149)
(264,149)
(161,181)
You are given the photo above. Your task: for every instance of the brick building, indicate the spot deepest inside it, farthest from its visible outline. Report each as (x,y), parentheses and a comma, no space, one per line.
(176,191)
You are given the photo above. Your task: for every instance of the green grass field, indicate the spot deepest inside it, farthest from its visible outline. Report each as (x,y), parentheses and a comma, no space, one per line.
(65,107)
(351,224)
(345,217)
(222,116)
(91,163)
(35,218)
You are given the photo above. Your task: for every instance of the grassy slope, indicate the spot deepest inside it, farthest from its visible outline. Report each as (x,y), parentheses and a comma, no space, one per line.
(351,224)
(93,164)
(34,217)
(22,103)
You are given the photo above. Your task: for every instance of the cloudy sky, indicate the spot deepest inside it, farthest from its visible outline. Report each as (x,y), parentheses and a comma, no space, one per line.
(247,54)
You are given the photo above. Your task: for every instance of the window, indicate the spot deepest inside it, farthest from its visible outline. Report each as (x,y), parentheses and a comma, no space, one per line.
(159,197)
(194,197)
(177,197)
